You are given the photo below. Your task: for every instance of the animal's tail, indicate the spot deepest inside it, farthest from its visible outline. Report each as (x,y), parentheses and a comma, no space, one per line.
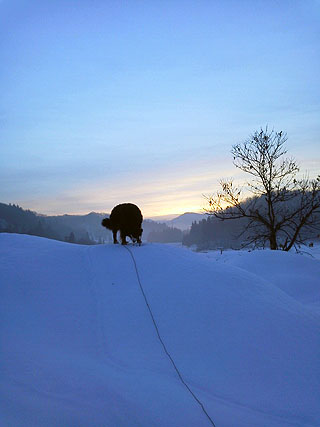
(106,223)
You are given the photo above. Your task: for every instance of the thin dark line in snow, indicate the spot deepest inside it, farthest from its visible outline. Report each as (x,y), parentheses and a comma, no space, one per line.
(162,342)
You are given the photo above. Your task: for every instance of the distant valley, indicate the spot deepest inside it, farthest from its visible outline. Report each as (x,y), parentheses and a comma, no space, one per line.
(87,229)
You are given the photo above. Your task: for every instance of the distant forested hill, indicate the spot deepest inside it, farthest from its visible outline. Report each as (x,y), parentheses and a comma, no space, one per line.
(83,229)
(14,219)
(213,233)
(208,233)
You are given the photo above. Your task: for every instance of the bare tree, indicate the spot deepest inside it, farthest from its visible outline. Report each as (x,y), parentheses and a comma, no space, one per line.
(282,208)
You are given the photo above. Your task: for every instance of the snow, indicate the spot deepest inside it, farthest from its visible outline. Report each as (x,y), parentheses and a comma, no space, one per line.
(298,275)
(79,347)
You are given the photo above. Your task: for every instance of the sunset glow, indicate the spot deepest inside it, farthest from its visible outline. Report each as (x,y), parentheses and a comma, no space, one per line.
(107,102)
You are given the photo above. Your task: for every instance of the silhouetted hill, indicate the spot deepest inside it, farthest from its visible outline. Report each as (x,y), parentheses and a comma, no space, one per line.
(83,229)
(213,233)
(14,219)
(184,221)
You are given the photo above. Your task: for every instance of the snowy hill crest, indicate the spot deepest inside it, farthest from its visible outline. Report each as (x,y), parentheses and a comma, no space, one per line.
(80,348)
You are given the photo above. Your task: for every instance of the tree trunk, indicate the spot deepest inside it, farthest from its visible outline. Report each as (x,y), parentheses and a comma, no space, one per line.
(273,241)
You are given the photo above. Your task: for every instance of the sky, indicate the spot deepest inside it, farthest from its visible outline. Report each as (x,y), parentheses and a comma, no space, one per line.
(105,102)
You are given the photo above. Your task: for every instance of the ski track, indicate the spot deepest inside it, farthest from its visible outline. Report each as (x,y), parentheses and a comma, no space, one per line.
(212,399)
(99,302)
(114,281)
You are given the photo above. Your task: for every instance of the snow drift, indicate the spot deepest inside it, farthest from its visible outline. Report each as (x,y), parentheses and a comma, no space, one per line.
(79,347)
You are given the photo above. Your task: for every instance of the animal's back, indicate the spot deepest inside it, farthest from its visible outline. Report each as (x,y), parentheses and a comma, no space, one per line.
(126,213)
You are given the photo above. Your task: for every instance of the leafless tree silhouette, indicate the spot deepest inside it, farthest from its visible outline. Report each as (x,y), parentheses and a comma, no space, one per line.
(282,208)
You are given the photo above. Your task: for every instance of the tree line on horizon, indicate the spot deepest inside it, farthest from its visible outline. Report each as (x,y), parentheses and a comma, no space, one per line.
(15,219)
(282,212)
(80,229)
(209,233)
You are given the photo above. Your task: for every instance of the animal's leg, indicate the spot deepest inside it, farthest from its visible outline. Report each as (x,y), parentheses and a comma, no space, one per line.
(115,236)
(123,237)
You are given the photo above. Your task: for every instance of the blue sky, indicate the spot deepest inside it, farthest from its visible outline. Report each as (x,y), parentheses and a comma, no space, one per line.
(104,102)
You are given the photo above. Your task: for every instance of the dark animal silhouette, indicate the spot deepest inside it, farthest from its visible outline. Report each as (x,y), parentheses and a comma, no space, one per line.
(127,218)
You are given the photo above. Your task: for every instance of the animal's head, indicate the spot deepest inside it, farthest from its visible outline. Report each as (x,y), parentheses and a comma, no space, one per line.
(106,223)
(136,235)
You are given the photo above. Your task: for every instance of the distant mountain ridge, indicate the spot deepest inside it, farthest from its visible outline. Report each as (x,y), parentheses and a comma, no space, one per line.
(181,221)
(185,220)
(87,228)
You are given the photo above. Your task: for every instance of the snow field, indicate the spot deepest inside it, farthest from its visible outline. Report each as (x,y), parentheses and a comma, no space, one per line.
(79,347)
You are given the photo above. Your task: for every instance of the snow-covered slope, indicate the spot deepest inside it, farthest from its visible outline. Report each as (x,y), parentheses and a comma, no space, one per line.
(79,347)
(296,274)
